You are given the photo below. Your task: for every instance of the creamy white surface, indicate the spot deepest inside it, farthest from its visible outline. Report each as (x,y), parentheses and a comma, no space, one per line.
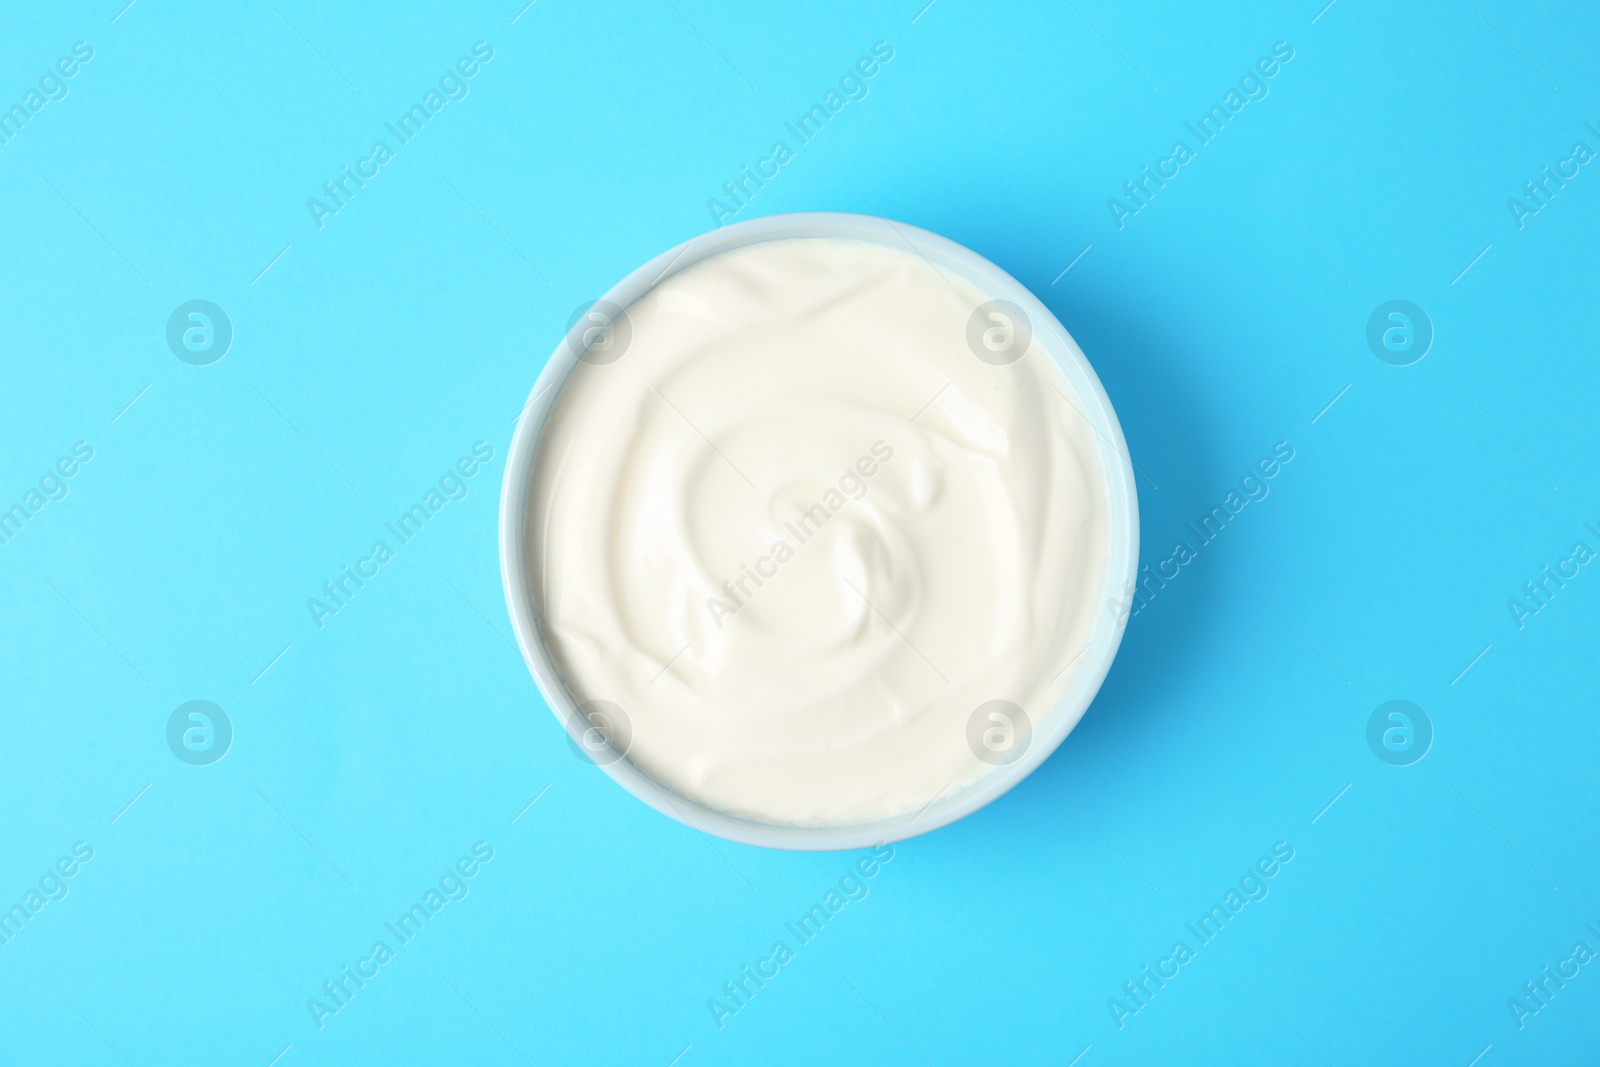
(968,570)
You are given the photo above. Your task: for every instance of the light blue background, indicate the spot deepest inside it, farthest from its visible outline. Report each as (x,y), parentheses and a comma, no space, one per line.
(374,752)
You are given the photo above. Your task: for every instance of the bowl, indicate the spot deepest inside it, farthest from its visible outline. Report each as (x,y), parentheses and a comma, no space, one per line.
(1121,559)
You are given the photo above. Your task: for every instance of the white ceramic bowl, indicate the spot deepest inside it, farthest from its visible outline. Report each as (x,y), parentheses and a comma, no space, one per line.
(1121,561)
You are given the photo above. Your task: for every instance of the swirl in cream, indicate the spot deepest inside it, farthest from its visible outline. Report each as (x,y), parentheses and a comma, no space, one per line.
(798,532)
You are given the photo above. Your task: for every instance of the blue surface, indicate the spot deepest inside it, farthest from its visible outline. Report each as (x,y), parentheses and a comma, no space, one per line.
(373,753)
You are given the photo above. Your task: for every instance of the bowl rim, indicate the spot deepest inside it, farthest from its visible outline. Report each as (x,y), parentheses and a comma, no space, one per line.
(1121,558)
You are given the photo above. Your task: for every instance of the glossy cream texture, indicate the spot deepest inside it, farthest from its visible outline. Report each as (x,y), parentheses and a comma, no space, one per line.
(798,532)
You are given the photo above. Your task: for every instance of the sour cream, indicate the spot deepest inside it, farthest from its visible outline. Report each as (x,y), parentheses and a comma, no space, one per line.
(802,517)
